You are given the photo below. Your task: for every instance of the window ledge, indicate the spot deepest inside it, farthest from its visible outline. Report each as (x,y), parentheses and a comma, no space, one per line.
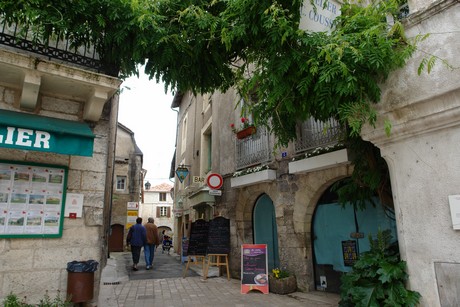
(253,178)
(323,161)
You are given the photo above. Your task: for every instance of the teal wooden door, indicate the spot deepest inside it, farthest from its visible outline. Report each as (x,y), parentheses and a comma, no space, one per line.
(265,230)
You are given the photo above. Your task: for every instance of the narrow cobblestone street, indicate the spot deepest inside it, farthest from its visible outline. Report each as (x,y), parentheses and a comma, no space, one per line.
(164,286)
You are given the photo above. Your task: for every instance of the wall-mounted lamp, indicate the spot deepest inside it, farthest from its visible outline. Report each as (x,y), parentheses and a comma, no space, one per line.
(147,185)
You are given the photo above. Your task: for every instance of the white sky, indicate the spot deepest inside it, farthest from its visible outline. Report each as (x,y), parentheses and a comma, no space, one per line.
(146,110)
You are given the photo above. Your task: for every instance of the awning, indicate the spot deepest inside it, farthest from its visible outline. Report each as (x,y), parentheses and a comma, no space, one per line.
(40,133)
(201,197)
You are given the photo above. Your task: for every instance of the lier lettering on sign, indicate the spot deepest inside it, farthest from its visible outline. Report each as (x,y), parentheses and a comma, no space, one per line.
(25,137)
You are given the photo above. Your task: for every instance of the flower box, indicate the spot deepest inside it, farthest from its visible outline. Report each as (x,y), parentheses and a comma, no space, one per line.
(253,178)
(244,133)
(284,285)
(323,161)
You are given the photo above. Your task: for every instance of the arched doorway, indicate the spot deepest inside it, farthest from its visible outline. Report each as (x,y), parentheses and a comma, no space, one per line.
(340,234)
(116,238)
(265,230)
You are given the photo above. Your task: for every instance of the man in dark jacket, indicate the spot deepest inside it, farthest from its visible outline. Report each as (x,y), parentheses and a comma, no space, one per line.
(137,237)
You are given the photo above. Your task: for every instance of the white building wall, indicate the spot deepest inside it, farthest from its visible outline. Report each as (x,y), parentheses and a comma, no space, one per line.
(422,152)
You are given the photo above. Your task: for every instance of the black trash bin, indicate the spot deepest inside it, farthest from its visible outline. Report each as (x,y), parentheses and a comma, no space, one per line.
(80,280)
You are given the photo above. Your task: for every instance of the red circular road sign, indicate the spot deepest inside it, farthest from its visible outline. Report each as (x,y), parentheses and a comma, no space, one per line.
(214,181)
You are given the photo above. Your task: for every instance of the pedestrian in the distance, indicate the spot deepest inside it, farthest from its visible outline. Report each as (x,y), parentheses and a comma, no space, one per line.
(153,240)
(137,238)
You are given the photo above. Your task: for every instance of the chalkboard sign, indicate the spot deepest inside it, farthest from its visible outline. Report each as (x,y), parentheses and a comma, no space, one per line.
(198,241)
(219,236)
(254,268)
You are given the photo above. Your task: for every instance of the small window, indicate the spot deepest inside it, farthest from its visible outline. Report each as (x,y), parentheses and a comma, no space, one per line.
(163,211)
(162,196)
(121,183)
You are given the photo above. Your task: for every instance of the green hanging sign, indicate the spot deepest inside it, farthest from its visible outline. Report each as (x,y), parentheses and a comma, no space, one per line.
(181,173)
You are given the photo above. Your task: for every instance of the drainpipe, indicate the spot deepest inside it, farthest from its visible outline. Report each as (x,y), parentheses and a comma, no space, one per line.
(111,145)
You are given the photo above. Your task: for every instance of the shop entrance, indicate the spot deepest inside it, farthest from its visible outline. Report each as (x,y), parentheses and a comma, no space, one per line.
(265,230)
(340,234)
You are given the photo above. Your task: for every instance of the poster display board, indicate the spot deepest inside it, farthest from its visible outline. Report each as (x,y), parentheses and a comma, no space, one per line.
(350,252)
(254,268)
(32,199)
(198,241)
(219,236)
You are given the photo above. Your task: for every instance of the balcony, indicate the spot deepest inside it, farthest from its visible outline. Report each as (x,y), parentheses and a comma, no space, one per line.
(253,150)
(15,36)
(41,69)
(313,133)
(319,143)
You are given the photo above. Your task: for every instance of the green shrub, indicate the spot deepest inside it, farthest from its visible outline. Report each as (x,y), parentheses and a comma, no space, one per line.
(12,300)
(378,278)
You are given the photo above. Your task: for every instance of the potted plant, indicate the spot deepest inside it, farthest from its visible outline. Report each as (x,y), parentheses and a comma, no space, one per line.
(282,282)
(246,129)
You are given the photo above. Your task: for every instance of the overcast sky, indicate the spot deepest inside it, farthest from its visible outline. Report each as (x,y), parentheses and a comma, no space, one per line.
(146,110)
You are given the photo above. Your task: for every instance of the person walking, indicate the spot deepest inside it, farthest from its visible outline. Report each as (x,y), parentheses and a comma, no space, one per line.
(153,240)
(137,237)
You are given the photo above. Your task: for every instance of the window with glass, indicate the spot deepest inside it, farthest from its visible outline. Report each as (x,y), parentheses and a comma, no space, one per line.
(162,196)
(121,183)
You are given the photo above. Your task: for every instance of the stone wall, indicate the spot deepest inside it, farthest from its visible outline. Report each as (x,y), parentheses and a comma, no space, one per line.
(294,198)
(31,266)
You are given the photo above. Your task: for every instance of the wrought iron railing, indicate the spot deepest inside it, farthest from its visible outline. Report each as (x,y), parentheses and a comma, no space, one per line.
(13,35)
(313,133)
(253,150)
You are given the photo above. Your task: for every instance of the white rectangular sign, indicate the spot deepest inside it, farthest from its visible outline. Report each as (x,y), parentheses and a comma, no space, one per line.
(322,19)
(73,204)
(132,205)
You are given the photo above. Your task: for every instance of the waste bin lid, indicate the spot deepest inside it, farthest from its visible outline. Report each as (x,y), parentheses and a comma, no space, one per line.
(82,266)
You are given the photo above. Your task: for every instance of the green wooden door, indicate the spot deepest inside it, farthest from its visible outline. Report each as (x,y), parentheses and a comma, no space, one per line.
(265,230)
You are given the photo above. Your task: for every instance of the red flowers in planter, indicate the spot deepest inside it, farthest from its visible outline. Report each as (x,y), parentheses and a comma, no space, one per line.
(245,130)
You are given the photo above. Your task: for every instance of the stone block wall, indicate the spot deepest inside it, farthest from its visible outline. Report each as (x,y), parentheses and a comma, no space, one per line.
(31,266)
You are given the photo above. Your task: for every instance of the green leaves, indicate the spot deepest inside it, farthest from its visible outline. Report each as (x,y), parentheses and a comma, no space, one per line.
(378,277)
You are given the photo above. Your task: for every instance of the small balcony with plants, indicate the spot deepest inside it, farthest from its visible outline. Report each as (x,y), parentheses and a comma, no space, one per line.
(252,153)
(318,146)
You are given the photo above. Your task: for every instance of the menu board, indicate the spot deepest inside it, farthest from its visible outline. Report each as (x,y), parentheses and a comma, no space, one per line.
(254,268)
(350,252)
(198,241)
(219,236)
(32,200)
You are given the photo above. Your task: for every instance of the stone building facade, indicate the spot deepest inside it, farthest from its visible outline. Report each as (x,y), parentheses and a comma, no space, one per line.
(127,186)
(423,110)
(158,203)
(62,118)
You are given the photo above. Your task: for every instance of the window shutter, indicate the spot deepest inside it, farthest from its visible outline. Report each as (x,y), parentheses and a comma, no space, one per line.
(168,212)
(158,211)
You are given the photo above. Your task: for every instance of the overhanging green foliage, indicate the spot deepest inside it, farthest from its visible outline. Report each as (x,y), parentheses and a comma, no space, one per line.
(285,74)
(254,45)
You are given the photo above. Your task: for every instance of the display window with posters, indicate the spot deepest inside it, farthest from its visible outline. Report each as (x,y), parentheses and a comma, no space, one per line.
(32,199)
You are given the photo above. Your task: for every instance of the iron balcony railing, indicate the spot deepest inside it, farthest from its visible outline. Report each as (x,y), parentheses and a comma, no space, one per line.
(313,133)
(253,150)
(15,36)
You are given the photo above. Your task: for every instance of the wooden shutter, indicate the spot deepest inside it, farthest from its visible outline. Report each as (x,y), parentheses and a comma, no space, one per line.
(168,212)
(158,211)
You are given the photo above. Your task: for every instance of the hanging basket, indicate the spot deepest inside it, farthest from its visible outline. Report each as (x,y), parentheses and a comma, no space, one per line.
(246,132)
